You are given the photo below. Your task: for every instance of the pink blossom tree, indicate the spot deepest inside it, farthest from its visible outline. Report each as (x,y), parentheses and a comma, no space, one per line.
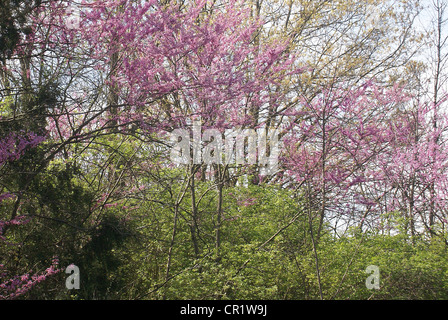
(415,169)
(363,153)
(136,68)
(174,62)
(331,143)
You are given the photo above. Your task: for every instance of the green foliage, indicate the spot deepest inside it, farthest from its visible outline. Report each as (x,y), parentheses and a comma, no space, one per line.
(284,268)
(265,249)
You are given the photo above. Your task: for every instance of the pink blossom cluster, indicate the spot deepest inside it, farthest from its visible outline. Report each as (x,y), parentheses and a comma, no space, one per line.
(19,285)
(14,145)
(366,150)
(211,66)
(20,220)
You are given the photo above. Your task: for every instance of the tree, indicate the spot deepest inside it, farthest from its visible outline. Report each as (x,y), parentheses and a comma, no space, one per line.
(12,148)
(157,65)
